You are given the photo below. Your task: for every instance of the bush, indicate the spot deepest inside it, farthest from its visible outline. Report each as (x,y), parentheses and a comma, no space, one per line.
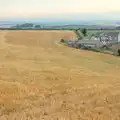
(62,40)
(84,32)
(37,26)
(118,52)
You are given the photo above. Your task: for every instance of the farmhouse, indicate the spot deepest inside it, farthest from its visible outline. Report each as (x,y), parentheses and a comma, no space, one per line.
(109,37)
(108,40)
(101,39)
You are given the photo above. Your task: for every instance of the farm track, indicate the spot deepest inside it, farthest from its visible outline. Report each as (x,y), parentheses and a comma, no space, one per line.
(40,79)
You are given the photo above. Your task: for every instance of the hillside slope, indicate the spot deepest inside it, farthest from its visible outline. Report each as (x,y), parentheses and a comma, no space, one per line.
(41,79)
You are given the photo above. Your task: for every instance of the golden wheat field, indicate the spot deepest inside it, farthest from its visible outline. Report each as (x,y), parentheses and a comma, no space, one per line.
(41,79)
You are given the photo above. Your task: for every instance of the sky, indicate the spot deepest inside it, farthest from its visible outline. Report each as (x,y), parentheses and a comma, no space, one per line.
(34,8)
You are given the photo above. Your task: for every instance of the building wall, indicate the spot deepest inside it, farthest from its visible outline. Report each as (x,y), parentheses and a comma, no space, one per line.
(119,37)
(94,38)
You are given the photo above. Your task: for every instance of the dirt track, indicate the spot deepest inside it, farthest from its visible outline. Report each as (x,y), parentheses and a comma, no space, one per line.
(41,79)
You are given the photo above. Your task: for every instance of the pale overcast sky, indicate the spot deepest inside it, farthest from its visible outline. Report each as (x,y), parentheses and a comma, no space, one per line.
(27,8)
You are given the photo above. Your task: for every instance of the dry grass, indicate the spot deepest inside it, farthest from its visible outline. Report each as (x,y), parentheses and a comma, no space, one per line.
(41,79)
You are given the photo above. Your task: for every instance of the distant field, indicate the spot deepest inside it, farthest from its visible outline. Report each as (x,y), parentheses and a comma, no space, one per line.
(90,32)
(41,79)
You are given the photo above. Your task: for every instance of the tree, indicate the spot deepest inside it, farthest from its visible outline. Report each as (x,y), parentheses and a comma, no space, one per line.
(62,40)
(26,25)
(37,26)
(84,32)
(17,26)
(119,52)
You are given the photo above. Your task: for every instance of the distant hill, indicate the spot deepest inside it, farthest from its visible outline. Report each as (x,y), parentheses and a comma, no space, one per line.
(118,27)
(64,24)
(81,26)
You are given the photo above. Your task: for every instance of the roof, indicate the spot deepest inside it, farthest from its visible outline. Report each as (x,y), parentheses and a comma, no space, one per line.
(113,34)
(89,41)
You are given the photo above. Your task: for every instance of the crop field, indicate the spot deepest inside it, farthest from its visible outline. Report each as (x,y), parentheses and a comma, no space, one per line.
(41,79)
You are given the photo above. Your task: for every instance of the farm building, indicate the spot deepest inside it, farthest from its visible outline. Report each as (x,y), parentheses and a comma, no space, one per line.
(112,37)
(109,40)
(90,43)
(101,39)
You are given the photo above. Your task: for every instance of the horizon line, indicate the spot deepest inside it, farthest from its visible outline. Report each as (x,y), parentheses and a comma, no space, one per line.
(54,15)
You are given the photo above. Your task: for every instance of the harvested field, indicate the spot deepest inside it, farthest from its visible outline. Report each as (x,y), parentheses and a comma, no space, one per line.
(43,80)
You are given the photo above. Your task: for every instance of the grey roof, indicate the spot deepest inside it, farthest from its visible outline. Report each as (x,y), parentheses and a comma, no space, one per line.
(96,43)
(89,41)
(113,34)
